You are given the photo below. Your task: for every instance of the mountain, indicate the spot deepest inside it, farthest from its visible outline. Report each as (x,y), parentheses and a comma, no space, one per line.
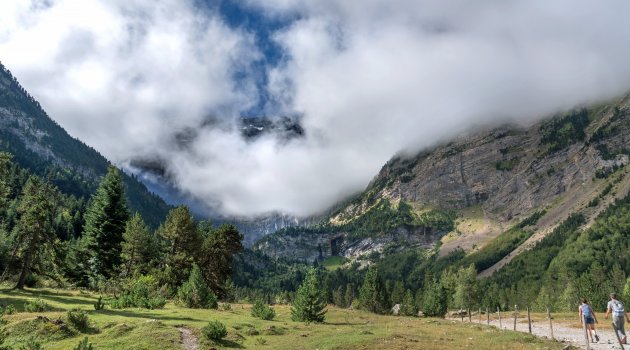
(468,194)
(154,173)
(43,147)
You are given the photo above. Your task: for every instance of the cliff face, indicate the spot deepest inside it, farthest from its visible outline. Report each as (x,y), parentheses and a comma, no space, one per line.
(508,173)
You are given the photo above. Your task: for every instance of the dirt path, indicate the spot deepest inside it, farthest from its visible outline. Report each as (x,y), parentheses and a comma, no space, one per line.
(189,340)
(562,332)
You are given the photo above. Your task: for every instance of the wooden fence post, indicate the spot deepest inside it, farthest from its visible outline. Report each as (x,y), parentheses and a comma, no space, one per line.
(550,324)
(515,316)
(529,321)
(487,316)
(500,323)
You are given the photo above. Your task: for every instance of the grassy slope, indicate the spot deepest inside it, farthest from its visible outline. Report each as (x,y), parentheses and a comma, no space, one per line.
(344,329)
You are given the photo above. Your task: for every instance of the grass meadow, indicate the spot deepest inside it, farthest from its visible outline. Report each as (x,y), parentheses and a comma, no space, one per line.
(136,329)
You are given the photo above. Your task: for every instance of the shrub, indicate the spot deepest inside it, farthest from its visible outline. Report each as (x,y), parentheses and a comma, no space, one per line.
(263,311)
(9,310)
(142,292)
(195,293)
(84,345)
(226,307)
(214,330)
(31,344)
(3,337)
(99,305)
(79,319)
(36,305)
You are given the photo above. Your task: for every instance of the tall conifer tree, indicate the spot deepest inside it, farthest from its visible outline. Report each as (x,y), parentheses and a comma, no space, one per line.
(310,301)
(105,221)
(35,236)
(183,243)
(372,295)
(138,246)
(215,258)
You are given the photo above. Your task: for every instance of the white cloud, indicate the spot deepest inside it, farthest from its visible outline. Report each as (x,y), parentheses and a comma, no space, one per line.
(124,75)
(370,79)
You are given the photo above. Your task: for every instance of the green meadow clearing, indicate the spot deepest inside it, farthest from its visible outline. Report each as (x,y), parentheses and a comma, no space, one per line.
(135,329)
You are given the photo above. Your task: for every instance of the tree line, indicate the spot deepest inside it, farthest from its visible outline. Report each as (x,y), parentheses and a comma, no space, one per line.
(115,251)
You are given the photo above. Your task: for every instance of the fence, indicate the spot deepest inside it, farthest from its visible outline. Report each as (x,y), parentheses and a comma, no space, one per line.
(515,316)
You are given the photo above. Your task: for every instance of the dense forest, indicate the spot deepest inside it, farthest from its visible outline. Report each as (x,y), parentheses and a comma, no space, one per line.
(51,238)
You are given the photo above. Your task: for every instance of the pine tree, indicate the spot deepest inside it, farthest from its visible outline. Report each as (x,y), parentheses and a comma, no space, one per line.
(194,293)
(466,288)
(434,300)
(5,161)
(105,221)
(217,250)
(138,246)
(310,303)
(349,296)
(398,293)
(372,294)
(408,307)
(338,297)
(35,236)
(182,243)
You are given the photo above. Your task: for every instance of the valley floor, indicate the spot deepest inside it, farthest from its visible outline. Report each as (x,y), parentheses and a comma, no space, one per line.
(179,328)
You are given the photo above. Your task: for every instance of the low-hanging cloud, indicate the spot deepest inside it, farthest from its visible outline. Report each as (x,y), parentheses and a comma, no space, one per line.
(369,78)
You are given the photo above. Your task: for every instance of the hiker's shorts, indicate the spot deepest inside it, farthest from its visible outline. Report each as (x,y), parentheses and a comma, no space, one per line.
(589,320)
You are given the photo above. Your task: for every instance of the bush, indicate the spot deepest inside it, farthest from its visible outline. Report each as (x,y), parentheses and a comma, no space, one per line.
(214,330)
(226,307)
(195,293)
(84,345)
(99,305)
(142,292)
(263,311)
(36,305)
(9,310)
(79,319)
(31,344)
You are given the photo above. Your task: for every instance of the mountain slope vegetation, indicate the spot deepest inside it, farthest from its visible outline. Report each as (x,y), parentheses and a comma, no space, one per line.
(43,147)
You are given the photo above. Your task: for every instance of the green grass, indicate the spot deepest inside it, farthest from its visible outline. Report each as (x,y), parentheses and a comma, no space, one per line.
(333,262)
(137,329)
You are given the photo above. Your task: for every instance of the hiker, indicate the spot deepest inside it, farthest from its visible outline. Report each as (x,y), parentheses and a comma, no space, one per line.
(587,316)
(619,316)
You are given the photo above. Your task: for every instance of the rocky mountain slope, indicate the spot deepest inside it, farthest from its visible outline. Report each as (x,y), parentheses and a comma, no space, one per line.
(488,181)
(40,145)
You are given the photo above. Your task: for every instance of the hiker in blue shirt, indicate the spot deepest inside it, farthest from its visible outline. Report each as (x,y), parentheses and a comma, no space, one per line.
(619,315)
(587,316)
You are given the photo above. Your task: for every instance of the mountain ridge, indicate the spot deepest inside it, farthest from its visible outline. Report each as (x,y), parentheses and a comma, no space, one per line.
(42,146)
(503,175)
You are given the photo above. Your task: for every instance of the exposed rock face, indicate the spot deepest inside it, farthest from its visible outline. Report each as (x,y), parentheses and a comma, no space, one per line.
(311,247)
(509,172)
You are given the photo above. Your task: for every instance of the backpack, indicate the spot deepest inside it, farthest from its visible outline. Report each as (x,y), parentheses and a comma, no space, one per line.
(617,307)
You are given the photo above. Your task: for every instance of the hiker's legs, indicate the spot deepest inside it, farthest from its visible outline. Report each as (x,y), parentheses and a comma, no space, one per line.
(619,324)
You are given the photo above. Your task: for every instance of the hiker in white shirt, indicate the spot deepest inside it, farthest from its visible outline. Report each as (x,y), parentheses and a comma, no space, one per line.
(619,315)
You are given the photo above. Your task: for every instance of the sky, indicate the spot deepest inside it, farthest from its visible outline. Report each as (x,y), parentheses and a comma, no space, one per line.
(167,79)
